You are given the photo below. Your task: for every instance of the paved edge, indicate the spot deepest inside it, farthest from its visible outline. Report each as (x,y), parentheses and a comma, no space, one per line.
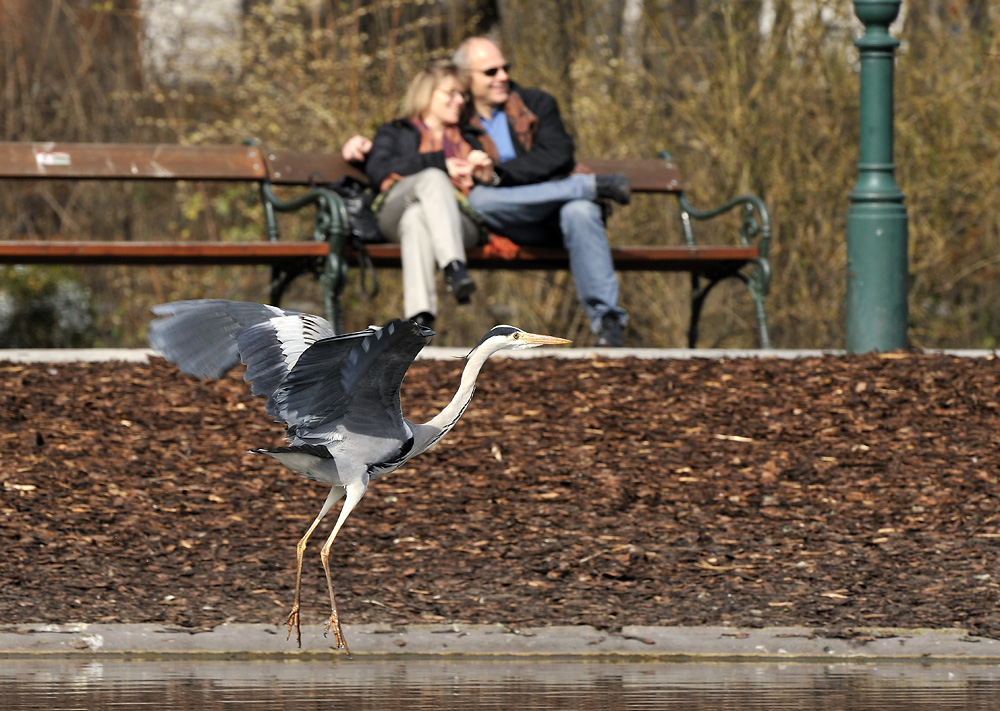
(141,355)
(154,641)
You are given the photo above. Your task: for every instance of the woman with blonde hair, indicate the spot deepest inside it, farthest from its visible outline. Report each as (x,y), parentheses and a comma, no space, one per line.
(423,166)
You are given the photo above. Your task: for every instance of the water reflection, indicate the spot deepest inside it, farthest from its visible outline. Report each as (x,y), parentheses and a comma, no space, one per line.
(491,684)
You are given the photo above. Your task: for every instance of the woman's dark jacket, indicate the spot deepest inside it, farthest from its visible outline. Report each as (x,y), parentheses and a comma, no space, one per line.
(396,149)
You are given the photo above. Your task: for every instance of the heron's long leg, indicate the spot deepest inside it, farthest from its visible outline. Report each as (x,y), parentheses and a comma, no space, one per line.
(354,494)
(335,495)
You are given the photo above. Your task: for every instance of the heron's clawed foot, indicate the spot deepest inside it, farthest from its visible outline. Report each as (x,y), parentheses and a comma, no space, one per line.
(338,634)
(293,622)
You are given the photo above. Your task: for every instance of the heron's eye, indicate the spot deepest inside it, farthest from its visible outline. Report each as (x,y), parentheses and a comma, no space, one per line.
(515,336)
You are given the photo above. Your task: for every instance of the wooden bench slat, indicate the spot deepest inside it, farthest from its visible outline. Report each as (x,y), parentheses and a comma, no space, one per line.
(130,161)
(157,253)
(680,258)
(671,258)
(297,168)
(647,175)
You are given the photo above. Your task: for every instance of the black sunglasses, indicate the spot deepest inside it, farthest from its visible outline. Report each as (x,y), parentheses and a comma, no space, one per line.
(492,71)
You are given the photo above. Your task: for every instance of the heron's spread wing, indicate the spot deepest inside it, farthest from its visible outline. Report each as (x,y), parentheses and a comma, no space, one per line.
(272,351)
(317,383)
(350,381)
(199,336)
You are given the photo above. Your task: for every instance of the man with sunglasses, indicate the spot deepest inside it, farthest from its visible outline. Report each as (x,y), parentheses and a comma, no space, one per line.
(524,134)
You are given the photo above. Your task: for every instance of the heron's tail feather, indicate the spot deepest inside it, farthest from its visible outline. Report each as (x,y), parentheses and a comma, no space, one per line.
(313,450)
(312,461)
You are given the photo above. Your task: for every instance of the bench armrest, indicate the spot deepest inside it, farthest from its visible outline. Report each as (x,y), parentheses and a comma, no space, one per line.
(331,224)
(755,226)
(756,219)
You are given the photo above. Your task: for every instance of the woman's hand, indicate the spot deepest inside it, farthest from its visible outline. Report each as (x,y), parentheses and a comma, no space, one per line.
(482,166)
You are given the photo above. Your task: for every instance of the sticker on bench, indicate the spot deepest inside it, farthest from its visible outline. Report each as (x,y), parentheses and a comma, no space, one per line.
(52,158)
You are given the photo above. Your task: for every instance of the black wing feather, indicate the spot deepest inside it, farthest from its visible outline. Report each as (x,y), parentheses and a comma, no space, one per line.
(265,363)
(332,384)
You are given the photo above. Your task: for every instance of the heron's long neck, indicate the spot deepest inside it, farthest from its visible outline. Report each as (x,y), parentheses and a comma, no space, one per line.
(447,418)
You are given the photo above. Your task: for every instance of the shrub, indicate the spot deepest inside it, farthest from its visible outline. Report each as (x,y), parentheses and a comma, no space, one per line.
(44,308)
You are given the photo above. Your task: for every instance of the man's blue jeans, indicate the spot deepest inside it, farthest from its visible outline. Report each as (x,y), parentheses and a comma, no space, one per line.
(530,214)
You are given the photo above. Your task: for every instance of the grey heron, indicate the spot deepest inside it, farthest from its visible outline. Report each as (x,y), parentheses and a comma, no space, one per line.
(337,395)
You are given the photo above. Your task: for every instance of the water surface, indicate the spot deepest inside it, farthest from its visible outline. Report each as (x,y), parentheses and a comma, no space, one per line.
(483,684)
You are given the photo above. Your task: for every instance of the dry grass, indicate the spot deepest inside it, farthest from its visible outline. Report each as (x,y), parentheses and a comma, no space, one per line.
(774,116)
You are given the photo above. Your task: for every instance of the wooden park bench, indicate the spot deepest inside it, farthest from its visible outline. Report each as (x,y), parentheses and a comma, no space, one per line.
(166,162)
(330,251)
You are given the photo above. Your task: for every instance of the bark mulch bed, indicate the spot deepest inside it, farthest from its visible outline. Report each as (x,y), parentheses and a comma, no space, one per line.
(839,493)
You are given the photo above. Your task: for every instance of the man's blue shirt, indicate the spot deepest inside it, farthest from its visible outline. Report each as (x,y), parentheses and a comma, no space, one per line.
(499,130)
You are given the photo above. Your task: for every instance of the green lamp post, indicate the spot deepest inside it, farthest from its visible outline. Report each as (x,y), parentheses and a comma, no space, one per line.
(876,217)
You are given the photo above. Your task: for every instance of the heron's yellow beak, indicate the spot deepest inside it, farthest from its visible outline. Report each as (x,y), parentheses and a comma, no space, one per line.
(537,339)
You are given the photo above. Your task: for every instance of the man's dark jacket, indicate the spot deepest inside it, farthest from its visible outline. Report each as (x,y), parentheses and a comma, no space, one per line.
(551,154)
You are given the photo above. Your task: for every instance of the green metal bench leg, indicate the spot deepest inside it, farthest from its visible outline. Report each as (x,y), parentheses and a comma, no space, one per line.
(697,301)
(758,283)
(332,281)
(281,278)
(758,300)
